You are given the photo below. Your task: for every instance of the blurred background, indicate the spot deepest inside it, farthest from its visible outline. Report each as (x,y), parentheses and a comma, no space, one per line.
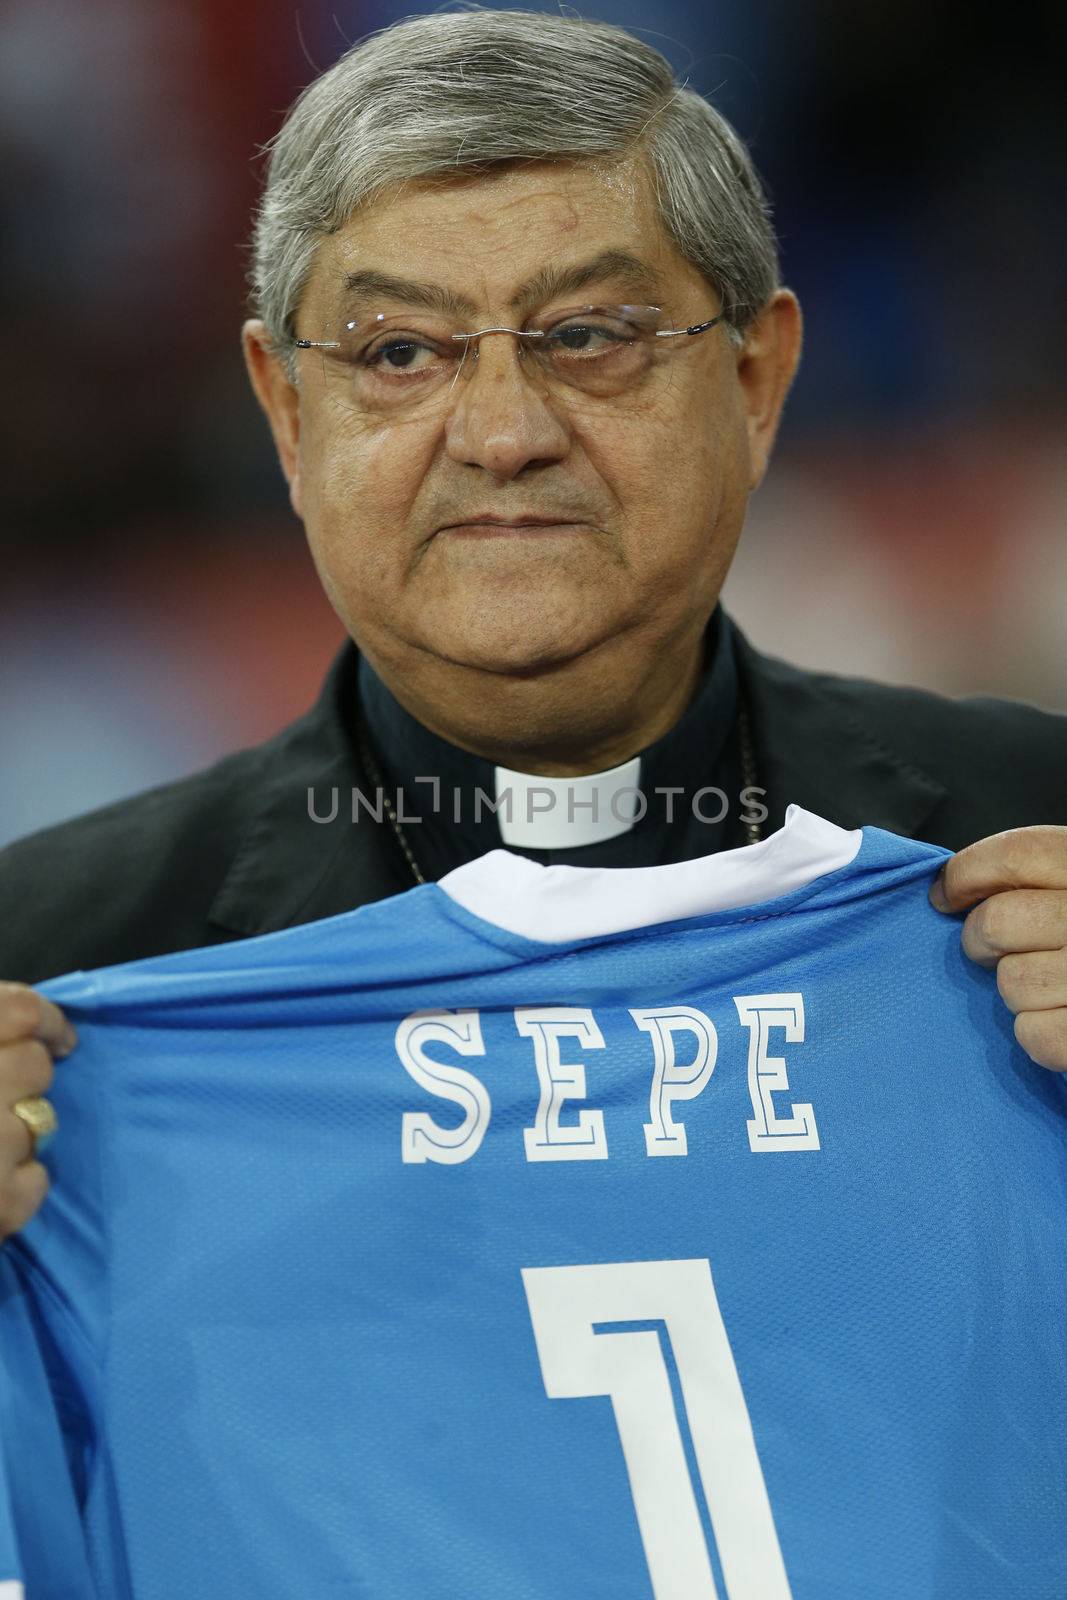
(157,606)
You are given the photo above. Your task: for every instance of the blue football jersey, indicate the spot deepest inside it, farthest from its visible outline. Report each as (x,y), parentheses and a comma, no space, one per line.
(657,1234)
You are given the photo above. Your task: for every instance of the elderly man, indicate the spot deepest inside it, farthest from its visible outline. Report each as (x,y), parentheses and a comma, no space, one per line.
(523,350)
(519,337)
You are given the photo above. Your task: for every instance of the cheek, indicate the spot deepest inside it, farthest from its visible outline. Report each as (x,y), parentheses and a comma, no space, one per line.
(677,481)
(359,486)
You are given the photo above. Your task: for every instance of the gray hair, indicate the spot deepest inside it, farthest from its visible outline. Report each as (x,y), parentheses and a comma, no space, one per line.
(456,93)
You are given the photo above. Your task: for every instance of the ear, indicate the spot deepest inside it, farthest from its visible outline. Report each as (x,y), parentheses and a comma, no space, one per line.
(766,364)
(280,400)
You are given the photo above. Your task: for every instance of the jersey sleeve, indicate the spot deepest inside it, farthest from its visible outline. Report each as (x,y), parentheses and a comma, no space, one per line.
(42,1541)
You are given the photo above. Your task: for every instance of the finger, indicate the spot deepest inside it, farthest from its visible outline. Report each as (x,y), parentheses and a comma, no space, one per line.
(25,1014)
(1043,1035)
(1036,981)
(1020,858)
(25,1068)
(24,1192)
(17,1142)
(1016,920)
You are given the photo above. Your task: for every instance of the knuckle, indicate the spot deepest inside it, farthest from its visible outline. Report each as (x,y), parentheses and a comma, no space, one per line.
(26,1067)
(1043,1035)
(23,1196)
(1043,982)
(36,1180)
(20,1007)
(997,920)
(1033,980)
(1022,852)
(992,921)
(40,1065)
(1012,981)
(1045,839)
(16,1141)
(1018,850)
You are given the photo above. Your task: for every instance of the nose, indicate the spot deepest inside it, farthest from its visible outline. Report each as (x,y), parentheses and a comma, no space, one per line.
(501,419)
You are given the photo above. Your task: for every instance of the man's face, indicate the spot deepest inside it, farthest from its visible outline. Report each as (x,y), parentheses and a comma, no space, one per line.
(649,488)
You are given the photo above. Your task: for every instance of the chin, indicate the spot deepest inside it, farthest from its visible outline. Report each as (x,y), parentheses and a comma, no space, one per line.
(515,655)
(523,630)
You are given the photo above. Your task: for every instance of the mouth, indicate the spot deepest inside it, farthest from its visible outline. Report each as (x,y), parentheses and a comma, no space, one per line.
(496,526)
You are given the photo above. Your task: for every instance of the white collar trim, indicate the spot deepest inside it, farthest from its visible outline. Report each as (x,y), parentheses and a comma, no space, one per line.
(559,904)
(563,813)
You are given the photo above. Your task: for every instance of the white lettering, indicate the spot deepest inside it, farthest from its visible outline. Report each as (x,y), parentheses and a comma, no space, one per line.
(670,1082)
(767,1074)
(421,1138)
(549,1139)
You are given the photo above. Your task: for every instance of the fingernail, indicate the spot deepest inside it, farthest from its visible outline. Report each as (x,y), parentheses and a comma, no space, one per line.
(937,892)
(70,1040)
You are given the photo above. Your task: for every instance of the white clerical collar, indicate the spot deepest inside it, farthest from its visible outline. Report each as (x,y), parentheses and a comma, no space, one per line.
(561,903)
(535,813)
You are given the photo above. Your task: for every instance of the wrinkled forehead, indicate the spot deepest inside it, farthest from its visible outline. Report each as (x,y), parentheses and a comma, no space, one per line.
(513,238)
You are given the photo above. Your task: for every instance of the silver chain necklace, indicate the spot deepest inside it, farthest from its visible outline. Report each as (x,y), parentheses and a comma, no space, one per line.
(374,773)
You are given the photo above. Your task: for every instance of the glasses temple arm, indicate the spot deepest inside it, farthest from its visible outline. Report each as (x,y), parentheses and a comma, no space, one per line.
(698,327)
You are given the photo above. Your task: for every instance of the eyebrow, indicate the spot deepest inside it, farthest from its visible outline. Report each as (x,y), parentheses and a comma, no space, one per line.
(368,284)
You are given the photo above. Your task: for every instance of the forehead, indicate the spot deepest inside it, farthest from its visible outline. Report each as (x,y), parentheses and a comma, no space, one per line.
(486,236)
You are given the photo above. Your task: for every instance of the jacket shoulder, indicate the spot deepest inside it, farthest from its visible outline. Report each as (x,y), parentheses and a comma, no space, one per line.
(133,878)
(1002,762)
(951,736)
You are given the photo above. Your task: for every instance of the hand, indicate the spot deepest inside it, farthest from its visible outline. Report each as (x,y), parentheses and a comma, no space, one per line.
(32,1032)
(1017,883)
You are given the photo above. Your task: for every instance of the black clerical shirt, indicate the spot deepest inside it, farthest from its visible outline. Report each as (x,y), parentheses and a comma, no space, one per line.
(699,756)
(235,851)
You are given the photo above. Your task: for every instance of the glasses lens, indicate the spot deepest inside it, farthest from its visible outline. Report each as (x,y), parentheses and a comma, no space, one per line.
(602,350)
(393,363)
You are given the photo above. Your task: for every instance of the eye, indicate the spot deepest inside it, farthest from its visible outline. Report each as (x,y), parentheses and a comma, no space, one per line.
(590,336)
(397,355)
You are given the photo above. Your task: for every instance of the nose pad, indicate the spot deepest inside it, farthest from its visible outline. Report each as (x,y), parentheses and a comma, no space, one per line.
(468,362)
(529,366)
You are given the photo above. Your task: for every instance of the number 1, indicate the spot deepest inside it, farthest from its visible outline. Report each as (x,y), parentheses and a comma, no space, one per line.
(565,1303)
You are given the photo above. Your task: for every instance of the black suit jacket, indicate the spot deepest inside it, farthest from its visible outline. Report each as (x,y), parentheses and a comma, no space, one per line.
(232,851)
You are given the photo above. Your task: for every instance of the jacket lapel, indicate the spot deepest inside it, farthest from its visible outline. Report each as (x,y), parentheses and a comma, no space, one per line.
(301,856)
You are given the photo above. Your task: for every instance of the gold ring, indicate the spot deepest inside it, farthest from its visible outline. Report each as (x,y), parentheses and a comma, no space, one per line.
(40,1117)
